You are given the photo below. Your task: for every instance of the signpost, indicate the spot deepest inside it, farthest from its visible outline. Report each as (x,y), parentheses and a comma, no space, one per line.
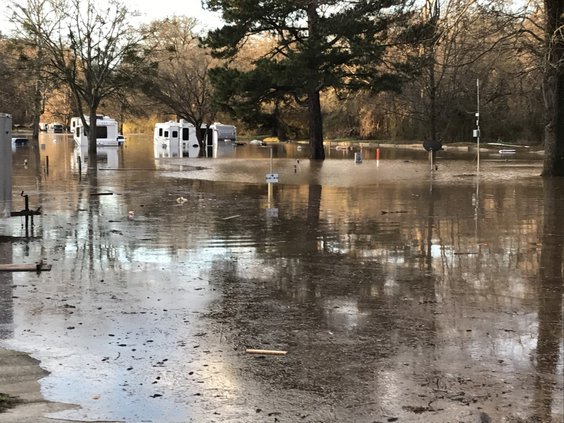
(271,178)
(476,196)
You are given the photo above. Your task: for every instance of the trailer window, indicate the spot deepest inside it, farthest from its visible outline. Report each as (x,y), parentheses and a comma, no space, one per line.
(174,134)
(101,132)
(166,134)
(185,134)
(160,132)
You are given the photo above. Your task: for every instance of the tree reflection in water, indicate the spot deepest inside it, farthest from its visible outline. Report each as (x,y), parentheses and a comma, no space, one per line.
(549,340)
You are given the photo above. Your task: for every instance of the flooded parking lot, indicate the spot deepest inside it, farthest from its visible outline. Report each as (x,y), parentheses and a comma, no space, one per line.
(399,293)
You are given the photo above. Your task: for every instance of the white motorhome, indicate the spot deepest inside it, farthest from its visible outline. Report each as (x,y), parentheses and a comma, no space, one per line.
(176,139)
(107,134)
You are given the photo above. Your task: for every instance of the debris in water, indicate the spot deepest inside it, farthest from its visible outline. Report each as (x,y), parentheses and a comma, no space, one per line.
(38,267)
(265,352)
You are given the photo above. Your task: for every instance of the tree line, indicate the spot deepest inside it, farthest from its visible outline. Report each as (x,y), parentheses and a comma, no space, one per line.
(395,70)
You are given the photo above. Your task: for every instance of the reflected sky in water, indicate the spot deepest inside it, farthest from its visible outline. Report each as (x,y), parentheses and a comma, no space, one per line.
(398,292)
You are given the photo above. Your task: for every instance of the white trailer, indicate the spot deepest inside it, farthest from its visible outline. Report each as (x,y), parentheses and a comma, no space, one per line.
(223,133)
(178,139)
(107,134)
(175,139)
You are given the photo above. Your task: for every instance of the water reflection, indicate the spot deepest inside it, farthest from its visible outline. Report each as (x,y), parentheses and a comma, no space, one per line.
(6,282)
(396,291)
(549,341)
(106,158)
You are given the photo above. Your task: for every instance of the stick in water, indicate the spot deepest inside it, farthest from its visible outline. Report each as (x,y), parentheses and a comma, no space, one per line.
(266,352)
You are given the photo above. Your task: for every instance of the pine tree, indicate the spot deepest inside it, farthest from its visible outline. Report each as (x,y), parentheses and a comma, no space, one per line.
(316,45)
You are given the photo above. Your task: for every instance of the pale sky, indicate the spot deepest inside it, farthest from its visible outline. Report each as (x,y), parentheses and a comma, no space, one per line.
(148,9)
(158,9)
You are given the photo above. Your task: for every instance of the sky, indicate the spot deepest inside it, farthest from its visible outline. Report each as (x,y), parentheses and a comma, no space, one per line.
(148,9)
(158,9)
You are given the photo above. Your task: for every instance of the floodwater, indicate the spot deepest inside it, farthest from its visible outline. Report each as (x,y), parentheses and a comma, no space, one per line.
(399,293)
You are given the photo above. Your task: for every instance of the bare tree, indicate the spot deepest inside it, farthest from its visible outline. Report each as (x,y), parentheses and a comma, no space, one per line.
(181,80)
(88,46)
(24,81)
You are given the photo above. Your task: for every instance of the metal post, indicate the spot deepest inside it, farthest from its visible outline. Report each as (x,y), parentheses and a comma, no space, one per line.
(5,165)
(271,167)
(270,195)
(26,210)
(270,186)
(477,195)
(478,126)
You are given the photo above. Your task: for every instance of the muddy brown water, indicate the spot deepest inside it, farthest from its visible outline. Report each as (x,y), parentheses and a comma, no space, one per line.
(399,294)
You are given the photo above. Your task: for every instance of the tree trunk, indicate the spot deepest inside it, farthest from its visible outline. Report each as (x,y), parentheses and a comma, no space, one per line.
(37,109)
(434,15)
(202,136)
(433,96)
(35,126)
(554,90)
(315,127)
(92,146)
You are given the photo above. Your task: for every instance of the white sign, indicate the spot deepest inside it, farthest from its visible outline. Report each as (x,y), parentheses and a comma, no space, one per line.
(272,212)
(272,178)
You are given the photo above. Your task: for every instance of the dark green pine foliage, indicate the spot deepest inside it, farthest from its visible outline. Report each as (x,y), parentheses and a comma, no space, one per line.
(319,45)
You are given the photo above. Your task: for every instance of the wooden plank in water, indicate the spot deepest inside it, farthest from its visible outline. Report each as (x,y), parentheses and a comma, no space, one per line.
(37,267)
(265,352)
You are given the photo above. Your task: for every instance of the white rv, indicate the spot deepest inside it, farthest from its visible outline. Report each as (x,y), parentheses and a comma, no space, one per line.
(107,134)
(176,139)
(222,132)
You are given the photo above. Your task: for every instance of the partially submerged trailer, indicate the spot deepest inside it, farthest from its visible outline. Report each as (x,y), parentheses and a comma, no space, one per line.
(223,133)
(176,139)
(107,133)
(56,127)
(179,139)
